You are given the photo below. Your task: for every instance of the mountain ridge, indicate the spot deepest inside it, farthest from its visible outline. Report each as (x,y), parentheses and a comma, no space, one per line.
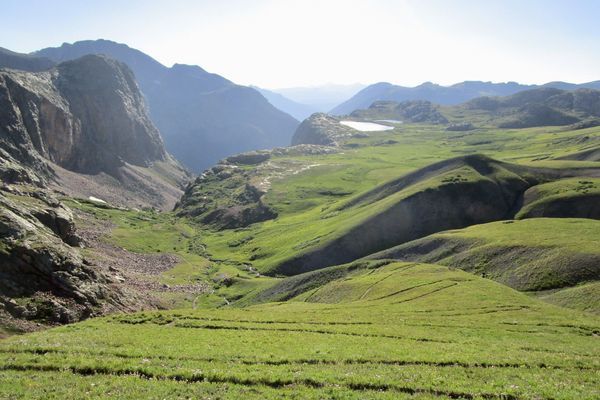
(445,95)
(202,116)
(541,106)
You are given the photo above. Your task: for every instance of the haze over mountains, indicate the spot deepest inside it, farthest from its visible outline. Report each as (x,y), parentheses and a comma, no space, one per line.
(295,109)
(322,97)
(301,102)
(203,117)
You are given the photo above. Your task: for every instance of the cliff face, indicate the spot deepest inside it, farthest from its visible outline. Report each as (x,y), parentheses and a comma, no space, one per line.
(81,128)
(85,115)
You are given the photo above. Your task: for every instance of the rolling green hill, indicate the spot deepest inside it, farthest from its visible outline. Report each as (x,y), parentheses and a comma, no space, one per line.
(535,255)
(311,193)
(573,197)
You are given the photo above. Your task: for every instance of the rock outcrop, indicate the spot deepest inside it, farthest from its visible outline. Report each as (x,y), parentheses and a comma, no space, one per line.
(225,196)
(232,193)
(43,276)
(322,129)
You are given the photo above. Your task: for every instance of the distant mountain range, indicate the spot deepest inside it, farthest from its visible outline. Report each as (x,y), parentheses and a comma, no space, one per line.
(24,62)
(542,106)
(445,95)
(203,117)
(297,110)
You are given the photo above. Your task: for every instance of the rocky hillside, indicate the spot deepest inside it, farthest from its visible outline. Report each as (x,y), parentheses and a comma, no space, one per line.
(203,117)
(44,278)
(85,116)
(407,111)
(79,129)
(231,194)
(538,107)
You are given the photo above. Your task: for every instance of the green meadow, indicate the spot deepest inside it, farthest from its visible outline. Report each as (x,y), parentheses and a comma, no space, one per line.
(394,328)
(400,330)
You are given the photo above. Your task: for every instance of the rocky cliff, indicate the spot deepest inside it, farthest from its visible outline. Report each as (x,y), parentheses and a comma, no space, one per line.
(85,116)
(80,128)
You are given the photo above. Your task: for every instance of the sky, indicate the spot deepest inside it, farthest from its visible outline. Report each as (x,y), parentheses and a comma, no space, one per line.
(287,43)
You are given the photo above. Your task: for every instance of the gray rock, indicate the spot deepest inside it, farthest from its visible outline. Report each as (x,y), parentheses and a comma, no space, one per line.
(321,129)
(42,277)
(85,115)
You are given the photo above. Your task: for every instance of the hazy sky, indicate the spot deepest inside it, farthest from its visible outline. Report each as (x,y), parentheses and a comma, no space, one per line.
(279,43)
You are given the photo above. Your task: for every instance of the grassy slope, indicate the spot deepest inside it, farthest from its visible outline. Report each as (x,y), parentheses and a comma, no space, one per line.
(563,197)
(539,254)
(399,330)
(307,202)
(581,297)
(151,232)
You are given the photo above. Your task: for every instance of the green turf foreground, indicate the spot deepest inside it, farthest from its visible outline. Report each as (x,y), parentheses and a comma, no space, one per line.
(385,330)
